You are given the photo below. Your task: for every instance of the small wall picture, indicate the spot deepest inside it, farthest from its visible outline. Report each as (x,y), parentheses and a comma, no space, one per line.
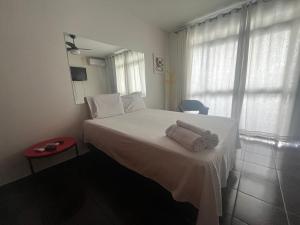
(158,64)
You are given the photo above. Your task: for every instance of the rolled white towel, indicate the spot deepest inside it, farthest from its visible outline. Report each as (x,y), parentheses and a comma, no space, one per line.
(204,133)
(186,138)
(211,140)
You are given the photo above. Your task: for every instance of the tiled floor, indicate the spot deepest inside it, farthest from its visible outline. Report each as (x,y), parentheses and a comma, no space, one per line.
(263,189)
(90,190)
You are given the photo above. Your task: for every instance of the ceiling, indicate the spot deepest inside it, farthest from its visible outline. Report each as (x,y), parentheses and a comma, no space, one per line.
(98,49)
(165,14)
(170,14)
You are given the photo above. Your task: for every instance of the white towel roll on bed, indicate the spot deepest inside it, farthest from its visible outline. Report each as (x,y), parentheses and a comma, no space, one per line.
(212,140)
(186,138)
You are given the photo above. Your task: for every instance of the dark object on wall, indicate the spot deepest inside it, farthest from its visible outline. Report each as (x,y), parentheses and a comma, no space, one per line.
(193,105)
(78,73)
(71,46)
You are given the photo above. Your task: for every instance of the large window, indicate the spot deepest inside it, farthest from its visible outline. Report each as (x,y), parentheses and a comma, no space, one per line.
(130,72)
(213,52)
(264,40)
(271,76)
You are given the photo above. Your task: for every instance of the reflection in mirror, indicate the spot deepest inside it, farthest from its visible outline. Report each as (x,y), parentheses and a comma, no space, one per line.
(100,68)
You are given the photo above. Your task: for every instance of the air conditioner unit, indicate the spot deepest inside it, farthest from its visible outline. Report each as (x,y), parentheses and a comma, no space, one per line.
(96,62)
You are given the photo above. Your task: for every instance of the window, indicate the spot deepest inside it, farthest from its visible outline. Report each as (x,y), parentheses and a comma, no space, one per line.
(245,65)
(130,72)
(213,52)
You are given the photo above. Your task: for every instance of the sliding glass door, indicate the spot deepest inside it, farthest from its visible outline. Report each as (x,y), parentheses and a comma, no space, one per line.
(273,70)
(267,86)
(212,56)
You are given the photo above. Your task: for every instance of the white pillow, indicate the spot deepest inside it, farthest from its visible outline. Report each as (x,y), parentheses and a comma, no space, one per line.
(106,105)
(91,106)
(133,102)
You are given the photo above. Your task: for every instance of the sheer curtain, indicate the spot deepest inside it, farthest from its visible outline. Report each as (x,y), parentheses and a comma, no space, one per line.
(177,76)
(211,61)
(130,72)
(111,74)
(273,68)
(245,65)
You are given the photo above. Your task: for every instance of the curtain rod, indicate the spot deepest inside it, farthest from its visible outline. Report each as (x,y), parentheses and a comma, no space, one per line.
(213,15)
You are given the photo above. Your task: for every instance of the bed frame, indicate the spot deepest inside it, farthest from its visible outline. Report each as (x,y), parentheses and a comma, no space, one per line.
(188,210)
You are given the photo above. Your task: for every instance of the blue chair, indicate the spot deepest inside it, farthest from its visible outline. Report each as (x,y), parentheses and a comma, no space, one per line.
(193,105)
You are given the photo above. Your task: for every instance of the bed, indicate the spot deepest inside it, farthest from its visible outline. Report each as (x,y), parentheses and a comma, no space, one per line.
(137,141)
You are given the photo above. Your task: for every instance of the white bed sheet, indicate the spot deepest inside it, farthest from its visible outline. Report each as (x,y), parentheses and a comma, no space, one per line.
(137,140)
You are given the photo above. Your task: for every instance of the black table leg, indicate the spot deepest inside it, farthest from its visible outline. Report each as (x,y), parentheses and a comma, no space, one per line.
(76,149)
(30,164)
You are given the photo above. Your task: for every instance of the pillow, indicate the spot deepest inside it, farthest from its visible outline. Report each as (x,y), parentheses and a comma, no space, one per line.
(133,102)
(91,106)
(106,105)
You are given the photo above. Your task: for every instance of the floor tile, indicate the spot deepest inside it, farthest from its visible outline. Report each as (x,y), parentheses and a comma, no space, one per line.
(267,161)
(226,219)
(294,219)
(73,193)
(229,220)
(261,182)
(262,189)
(289,165)
(87,191)
(286,178)
(19,204)
(20,216)
(291,153)
(251,169)
(236,221)
(288,159)
(256,212)
(259,148)
(89,213)
(290,189)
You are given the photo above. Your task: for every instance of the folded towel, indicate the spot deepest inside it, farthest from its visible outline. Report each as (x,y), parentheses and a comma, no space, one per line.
(210,139)
(186,138)
(213,141)
(204,133)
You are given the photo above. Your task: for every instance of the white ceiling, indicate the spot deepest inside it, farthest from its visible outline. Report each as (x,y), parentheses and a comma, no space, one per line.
(170,14)
(98,49)
(165,14)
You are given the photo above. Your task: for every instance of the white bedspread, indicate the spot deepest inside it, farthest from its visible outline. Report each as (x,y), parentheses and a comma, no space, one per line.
(137,140)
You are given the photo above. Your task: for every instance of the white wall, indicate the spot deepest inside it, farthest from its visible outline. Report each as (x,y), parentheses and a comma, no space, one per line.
(36,98)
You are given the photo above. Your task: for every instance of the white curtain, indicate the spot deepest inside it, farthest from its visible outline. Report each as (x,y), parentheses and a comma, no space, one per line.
(245,65)
(111,74)
(273,68)
(79,91)
(177,76)
(211,61)
(130,72)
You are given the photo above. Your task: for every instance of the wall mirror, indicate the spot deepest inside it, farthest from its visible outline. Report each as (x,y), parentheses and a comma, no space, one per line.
(100,68)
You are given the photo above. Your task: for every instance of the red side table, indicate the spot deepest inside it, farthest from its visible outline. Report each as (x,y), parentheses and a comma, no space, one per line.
(66,144)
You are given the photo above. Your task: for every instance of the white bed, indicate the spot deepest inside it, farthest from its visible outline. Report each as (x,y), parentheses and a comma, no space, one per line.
(137,141)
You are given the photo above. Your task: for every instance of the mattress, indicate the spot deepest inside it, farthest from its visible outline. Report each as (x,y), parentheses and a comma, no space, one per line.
(137,141)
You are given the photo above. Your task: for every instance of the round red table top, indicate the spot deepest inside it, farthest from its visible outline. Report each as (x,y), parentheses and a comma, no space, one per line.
(68,142)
